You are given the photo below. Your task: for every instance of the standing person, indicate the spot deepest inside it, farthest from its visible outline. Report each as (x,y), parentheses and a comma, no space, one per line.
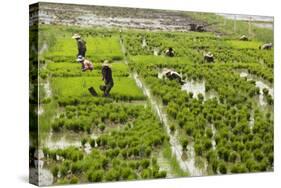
(107,78)
(86,64)
(81,44)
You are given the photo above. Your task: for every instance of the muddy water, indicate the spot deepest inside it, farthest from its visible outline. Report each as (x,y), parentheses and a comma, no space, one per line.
(213,137)
(191,163)
(194,87)
(89,16)
(48,89)
(62,140)
(67,139)
(177,150)
(156,51)
(58,141)
(260,83)
(252,121)
(144,44)
(243,74)
(95,20)
(198,87)
(164,164)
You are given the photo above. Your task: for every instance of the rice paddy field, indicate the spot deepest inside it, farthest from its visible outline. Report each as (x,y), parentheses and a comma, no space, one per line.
(219,121)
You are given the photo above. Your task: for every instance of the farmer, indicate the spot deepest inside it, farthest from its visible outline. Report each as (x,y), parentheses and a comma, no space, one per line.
(244,38)
(266,46)
(107,78)
(209,57)
(171,75)
(170,52)
(86,64)
(81,45)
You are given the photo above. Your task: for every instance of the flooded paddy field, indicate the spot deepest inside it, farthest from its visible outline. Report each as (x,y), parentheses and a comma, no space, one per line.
(199,118)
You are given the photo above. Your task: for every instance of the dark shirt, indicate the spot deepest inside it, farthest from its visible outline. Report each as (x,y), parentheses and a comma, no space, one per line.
(107,74)
(81,44)
(170,53)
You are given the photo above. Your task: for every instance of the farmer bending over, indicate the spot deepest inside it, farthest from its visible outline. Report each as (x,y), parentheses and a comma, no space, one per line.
(86,64)
(209,57)
(170,52)
(81,44)
(107,78)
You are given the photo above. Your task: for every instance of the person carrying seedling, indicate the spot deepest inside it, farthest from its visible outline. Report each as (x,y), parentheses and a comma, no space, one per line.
(107,78)
(170,52)
(81,45)
(86,64)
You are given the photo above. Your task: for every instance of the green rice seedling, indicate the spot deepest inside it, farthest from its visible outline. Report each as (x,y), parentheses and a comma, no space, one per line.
(222,168)
(184,143)
(84,141)
(244,44)
(131,134)
(98,49)
(95,176)
(64,69)
(74,180)
(124,88)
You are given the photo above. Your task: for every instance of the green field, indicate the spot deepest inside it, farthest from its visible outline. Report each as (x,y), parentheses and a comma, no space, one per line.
(223,111)
(78,87)
(74,69)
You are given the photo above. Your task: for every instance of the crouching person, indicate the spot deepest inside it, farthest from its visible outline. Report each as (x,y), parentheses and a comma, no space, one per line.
(170,52)
(86,64)
(107,78)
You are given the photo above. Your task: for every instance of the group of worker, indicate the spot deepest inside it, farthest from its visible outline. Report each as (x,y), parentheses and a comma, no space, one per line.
(88,65)
(106,68)
(209,57)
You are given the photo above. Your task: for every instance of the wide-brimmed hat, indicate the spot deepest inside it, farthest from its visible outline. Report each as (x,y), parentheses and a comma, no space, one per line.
(105,63)
(80,58)
(76,36)
(209,54)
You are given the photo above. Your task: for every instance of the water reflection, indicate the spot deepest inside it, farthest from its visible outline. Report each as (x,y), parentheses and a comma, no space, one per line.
(198,87)
(260,83)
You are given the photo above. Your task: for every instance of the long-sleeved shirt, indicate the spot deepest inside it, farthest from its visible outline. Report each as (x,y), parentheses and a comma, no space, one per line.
(87,65)
(107,74)
(81,44)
